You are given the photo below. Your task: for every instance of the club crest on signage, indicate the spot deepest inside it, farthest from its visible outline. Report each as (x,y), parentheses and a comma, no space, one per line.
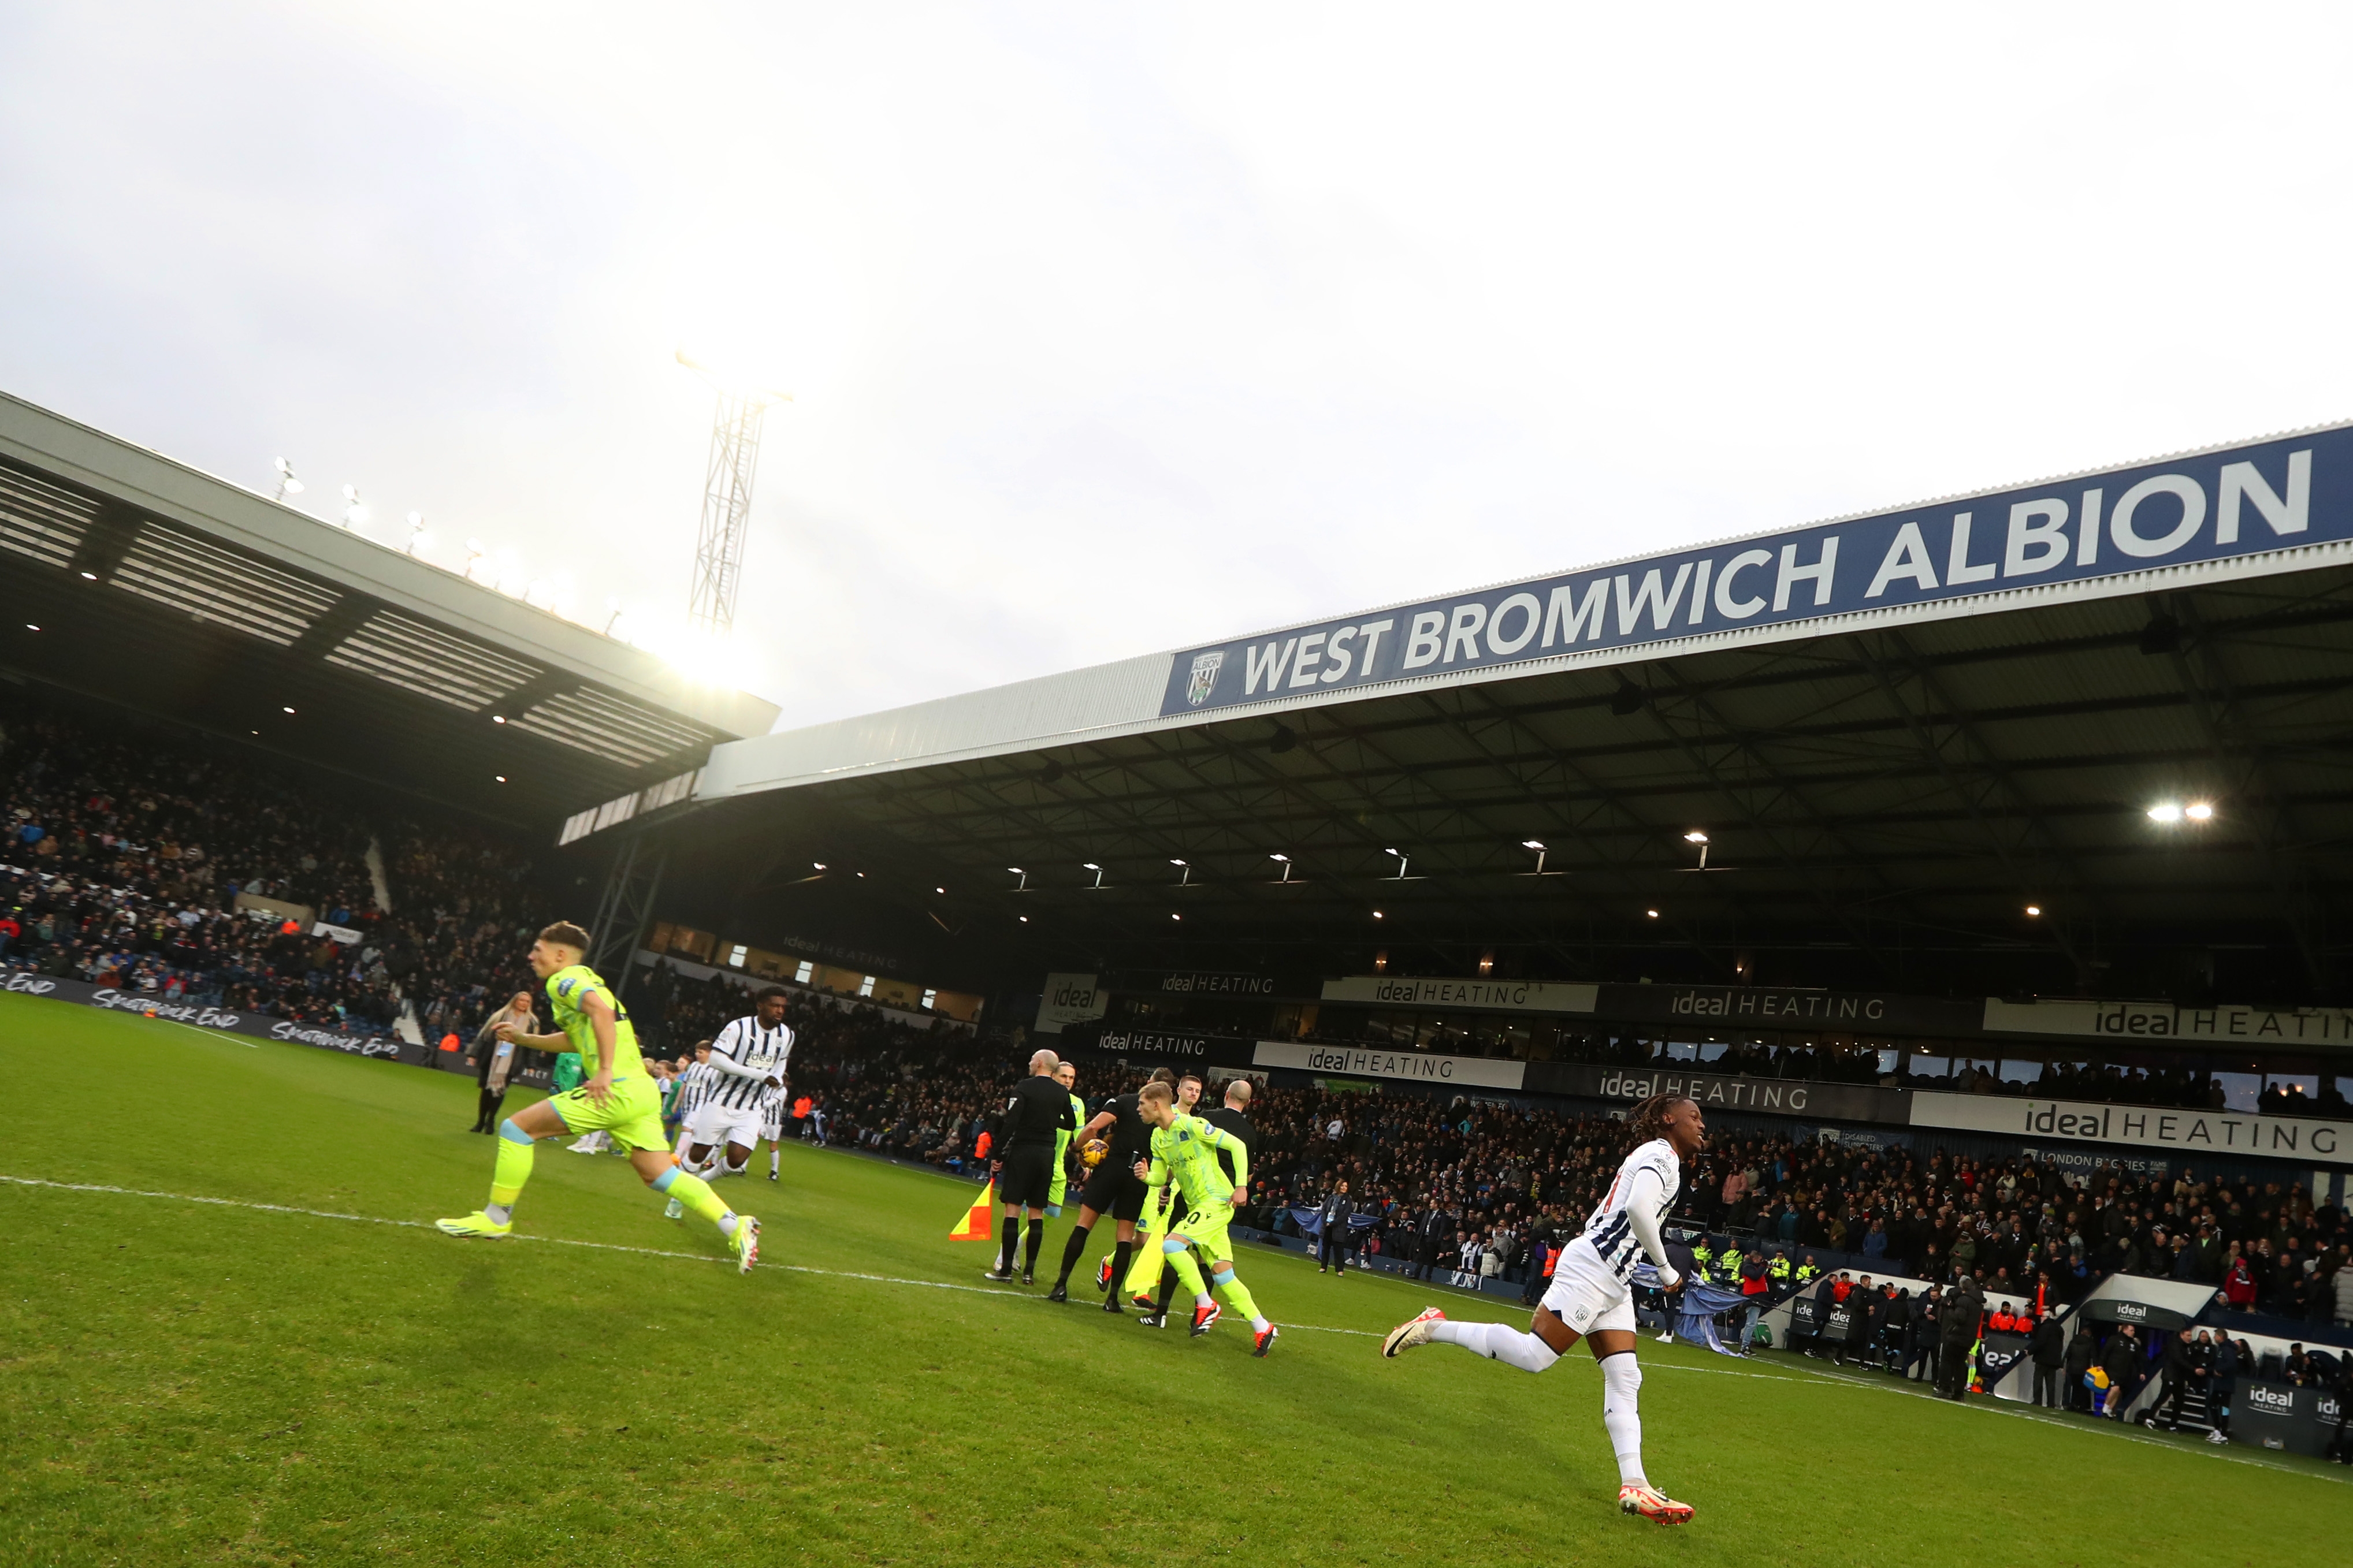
(1205,676)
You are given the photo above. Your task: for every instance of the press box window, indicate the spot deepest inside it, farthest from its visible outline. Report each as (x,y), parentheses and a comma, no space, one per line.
(736,954)
(802,976)
(930,997)
(866,985)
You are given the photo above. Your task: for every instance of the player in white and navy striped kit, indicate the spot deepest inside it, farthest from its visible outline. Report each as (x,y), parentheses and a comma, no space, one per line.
(748,1059)
(694,1082)
(1591,1296)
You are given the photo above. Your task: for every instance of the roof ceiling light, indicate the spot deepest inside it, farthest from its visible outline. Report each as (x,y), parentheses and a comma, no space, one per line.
(2034,909)
(1652,913)
(2199,811)
(1535,844)
(1695,836)
(2166,811)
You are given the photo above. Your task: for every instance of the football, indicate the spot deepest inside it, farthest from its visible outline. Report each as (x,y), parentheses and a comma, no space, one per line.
(1094,1151)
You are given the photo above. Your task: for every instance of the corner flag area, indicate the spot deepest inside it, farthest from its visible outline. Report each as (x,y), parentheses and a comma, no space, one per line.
(235,1338)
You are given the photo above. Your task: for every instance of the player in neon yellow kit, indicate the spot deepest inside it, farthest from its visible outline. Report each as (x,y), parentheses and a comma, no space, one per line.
(1185,1151)
(619,1098)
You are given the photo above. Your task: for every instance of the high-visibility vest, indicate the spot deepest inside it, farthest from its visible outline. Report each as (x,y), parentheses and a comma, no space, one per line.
(1778,1271)
(1701,1257)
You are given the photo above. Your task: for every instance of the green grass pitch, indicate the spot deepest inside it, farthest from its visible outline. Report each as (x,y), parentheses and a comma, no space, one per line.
(184,1382)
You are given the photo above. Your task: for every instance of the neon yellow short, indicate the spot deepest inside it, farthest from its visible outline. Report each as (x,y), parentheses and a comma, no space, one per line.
(1205,1228)
(631,1113)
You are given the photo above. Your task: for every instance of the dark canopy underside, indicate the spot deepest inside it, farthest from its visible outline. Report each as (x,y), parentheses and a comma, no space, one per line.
(1882,807)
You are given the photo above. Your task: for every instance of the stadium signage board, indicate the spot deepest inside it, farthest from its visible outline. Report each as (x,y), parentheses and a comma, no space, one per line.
(1996,1354)
(197,1016)
(2282,1416)
(1173,1045)
(1366,1062)
(1472,995)
(1071,999)
(2147,1126)
(2164,1021)
(1726,1006)
(1725,1092)
(2216,505)
(1205,982)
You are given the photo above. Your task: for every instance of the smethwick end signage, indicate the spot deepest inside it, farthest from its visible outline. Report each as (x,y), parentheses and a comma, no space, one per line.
(2240,501)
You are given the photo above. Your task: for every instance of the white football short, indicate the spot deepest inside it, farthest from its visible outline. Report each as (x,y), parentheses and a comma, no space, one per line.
(772,1131)
(714,1123)
(1586,1294)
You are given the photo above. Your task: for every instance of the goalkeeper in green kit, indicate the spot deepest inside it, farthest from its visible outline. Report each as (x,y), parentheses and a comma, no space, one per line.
(1185,1151)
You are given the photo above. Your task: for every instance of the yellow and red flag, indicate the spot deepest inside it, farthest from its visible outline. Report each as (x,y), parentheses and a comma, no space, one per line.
(973,1226)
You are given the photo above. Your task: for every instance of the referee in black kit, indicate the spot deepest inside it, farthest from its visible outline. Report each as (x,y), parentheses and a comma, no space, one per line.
(1023,1167)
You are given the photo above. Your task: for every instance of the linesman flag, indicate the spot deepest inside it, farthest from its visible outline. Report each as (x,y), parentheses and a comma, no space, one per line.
(973,1226)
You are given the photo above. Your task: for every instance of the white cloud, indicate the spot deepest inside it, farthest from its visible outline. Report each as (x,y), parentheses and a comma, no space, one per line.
(1111,331)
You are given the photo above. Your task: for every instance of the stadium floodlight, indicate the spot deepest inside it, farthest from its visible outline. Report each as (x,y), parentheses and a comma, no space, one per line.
(475,550)
(1377,915)
(286,709)
(818,864)
(501,777)
(1091,865)
(2199,811)
(2034,910)
(417,538)
(354,511)
(1173,916)
(1536,845)
(1403,860)
(1652,914)
(1185,867)
(1025,880)
(941,891)
(2166,811)
(1699,837)
(287,485)
(1284,861)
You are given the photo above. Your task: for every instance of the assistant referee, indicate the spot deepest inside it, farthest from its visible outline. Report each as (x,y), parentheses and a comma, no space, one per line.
(1027,1134)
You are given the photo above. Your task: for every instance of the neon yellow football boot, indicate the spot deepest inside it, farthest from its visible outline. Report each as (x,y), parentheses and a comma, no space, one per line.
(476,1223)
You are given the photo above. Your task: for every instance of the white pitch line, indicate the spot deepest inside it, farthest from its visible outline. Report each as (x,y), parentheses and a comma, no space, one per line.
(1809,1373)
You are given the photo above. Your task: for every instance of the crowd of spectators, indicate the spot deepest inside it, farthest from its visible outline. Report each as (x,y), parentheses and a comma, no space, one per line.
(168,864)
(1479,1187)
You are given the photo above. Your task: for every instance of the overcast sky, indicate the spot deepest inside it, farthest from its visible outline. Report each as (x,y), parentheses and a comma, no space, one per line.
(1114,329)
